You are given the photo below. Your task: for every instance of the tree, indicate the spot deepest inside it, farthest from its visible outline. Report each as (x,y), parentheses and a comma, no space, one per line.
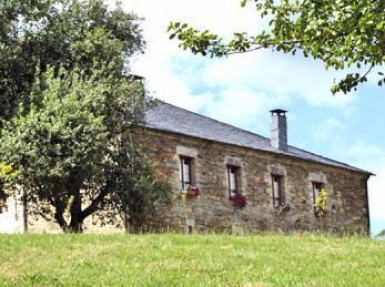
(62,34)
(342,33)
(74,152)
(70,123)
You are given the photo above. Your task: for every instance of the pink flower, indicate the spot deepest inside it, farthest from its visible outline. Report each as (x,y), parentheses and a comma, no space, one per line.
(239,200)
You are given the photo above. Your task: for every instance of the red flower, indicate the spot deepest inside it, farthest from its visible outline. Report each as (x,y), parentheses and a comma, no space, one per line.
(193,191)
(239,200)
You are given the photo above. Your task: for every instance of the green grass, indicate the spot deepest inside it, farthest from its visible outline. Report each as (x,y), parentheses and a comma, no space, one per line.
(182,260)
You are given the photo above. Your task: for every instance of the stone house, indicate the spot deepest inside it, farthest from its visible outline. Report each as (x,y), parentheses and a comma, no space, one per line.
(281,183)
(246,182)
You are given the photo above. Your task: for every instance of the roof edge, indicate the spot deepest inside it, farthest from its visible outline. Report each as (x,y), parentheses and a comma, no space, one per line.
(347,167)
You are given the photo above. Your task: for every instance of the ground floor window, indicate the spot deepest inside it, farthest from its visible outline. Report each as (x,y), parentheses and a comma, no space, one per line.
(233,179)
(278,190)
(186,167)
(317,188)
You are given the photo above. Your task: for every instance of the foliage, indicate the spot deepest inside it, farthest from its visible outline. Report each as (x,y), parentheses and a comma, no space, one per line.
(141,192)
(193,260)
(342,34)
(321,203)
(73,147)
(7,178)
(71,112)
(62,34)
(7,174)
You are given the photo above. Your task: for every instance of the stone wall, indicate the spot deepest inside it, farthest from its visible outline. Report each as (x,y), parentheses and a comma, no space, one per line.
(46,223)
(12,215)
(213,211)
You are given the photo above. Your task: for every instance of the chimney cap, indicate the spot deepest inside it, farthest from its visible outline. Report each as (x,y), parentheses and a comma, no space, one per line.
(278,111)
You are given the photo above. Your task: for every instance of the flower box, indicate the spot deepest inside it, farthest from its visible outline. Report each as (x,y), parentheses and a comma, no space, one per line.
(239,200)
(282,209)
(190,192)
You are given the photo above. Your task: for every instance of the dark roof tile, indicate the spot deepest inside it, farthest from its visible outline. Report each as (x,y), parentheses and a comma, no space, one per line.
(167,117)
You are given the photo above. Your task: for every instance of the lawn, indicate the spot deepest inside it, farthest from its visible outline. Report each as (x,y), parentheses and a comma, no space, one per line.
(196,260)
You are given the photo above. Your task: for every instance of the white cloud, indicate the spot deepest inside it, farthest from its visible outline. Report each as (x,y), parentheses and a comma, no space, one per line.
(262,74)
(223,17)
(236,105)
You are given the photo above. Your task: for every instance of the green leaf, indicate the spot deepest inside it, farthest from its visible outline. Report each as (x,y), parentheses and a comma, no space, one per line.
(338,33)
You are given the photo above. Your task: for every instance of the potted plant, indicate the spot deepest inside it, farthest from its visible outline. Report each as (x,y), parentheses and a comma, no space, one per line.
(193,191)
(190,192)
(239,200)
(283,208)
(321,203)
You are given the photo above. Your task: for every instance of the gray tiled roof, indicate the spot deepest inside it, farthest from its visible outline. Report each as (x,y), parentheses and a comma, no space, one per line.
(170,118)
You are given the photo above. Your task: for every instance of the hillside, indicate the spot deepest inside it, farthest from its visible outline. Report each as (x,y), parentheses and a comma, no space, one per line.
(179,260)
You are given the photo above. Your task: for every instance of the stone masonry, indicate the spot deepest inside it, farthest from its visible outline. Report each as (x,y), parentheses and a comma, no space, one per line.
(347,210)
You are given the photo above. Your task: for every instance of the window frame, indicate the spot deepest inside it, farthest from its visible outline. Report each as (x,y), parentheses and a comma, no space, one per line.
(321,185)
(232,192)
(281,199)
(185,183)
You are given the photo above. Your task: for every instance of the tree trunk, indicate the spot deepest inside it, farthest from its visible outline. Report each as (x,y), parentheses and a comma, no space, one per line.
(59,211)
(76,212)
(60,220)
(94,206)
(75,227)
(74,185)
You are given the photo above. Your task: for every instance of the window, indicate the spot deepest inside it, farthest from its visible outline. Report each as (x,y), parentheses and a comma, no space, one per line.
(186,171)
(317,187)
(233,178)
(278,192)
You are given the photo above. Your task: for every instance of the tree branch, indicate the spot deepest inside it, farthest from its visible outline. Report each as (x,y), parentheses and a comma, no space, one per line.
(95,203)
(294,42)
(242,52)
(58,213)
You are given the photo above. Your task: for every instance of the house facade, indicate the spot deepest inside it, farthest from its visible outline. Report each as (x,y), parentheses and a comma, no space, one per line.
(249,182)
(226,179)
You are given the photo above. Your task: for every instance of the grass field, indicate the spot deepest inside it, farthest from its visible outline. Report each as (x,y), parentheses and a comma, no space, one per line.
(181,260)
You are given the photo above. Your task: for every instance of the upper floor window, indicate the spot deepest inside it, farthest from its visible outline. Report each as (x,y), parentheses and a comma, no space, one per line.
(186,171)
(278,190)
(233,179)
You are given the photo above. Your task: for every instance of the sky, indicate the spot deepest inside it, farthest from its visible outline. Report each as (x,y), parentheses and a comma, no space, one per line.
(241,89)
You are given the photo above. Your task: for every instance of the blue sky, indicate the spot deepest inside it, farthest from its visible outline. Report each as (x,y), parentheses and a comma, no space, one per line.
(241,89)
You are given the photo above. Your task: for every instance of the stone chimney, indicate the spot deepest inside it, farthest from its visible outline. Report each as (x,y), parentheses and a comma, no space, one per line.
(278,129)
